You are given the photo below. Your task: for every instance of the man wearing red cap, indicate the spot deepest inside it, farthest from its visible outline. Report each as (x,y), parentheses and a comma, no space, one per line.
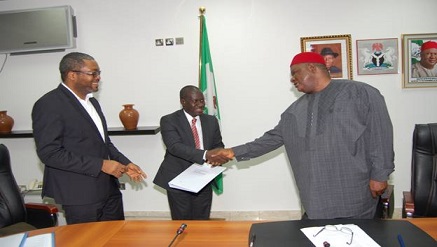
(339,140)
(428,58)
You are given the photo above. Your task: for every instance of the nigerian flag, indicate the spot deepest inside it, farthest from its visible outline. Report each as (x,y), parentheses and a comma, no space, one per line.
(207,86)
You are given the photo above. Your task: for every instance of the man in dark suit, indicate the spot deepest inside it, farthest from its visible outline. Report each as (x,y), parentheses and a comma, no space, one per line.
(82,166)
(182,152)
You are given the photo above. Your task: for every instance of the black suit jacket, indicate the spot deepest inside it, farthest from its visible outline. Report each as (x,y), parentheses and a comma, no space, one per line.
(181,151)
(72,149)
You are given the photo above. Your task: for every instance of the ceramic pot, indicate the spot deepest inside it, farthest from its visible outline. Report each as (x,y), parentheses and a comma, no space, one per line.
(6,123)
(129,117)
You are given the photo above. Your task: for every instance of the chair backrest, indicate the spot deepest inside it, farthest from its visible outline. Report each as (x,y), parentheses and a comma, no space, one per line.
(12,208)
(424,170)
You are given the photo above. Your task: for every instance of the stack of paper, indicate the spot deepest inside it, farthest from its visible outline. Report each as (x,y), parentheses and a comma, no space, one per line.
(195,177)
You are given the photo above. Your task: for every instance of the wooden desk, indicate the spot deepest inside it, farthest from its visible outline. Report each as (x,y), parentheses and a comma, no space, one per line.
(151,233)
(160,233)
(428,225)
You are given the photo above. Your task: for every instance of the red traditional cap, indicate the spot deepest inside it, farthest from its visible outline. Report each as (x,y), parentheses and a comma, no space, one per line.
(428,45)
(307,57)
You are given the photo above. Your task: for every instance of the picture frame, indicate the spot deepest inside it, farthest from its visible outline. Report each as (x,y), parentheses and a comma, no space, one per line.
(411,48)
(336,50)
(377,56)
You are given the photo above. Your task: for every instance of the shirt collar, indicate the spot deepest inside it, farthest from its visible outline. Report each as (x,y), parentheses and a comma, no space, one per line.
(88,96)
(189,117)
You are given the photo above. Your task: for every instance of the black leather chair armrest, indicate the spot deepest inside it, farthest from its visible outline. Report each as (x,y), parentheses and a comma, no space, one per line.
(407,205)
(42,215)
(50,208)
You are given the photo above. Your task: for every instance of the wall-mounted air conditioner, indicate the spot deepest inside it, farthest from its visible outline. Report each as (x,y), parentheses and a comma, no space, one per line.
(37,30)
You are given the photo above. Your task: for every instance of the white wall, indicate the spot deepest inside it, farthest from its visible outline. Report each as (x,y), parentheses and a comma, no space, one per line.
(252,43)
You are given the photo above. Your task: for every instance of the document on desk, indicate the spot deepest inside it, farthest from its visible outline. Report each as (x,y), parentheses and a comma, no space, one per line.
(339,238)
(13,240)
(195,177)
(23,240)
(42,240)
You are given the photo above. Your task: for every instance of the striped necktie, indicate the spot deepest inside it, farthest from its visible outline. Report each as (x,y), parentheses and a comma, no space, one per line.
(195,134)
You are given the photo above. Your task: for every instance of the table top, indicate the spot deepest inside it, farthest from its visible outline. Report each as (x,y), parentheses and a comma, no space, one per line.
(428,225)
(161,233)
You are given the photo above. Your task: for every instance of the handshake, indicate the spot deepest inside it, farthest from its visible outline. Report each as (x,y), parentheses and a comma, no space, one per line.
(219,156)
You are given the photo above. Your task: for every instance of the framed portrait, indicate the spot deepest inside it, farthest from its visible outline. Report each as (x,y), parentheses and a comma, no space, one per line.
(335,49)
(419,66)
(377,56)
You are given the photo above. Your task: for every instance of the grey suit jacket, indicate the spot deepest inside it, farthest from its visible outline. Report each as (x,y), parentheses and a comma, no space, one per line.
(72,149)
(181,152)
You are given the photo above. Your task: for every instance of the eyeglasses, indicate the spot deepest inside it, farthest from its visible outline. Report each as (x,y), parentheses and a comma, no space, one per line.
(335,228)
(91,73)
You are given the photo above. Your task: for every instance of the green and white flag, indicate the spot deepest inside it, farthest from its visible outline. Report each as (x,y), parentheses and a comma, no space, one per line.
(207,86)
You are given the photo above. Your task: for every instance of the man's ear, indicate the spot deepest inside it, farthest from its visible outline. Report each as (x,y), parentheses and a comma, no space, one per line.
(71,75)
(311,67)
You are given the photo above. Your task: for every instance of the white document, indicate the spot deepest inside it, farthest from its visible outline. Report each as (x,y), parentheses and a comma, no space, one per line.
(195,177)
(43,240)
(338,238)
(15,240)
(22,240)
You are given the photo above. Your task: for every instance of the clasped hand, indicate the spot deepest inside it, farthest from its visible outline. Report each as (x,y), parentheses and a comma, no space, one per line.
(135,173)
(219,156)
(117,170)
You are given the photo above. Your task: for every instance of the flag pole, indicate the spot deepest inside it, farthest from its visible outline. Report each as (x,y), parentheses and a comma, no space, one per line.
(201,11)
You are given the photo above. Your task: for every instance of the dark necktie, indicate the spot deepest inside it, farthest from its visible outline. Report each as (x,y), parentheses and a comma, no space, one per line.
(195,134)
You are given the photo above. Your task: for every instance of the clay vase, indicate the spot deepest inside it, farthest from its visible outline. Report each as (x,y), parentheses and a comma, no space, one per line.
(129,117)
(6,123)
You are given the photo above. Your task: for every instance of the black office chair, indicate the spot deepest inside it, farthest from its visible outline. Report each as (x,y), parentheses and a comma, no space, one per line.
(421,200)
(15,215)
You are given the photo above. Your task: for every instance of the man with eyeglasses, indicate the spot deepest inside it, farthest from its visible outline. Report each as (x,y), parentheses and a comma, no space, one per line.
(82,166)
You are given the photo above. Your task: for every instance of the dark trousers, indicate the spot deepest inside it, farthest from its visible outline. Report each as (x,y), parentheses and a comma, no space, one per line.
(111,209)
(190,206)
